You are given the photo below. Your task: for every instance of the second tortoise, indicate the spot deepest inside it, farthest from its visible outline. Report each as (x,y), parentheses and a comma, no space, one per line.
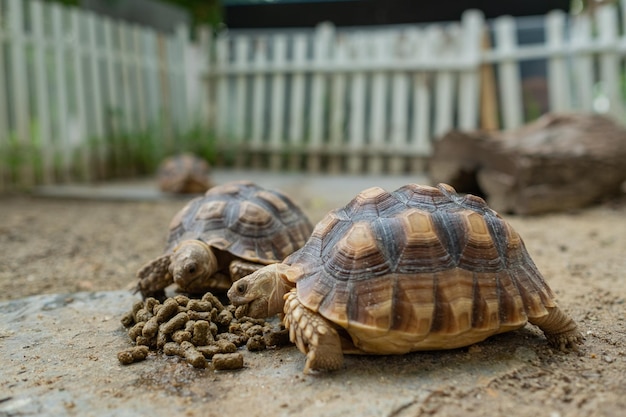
(231,231)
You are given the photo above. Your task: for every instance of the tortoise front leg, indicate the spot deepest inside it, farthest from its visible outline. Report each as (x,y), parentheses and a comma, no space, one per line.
(239,269)
(559,328)
(313,335)
(154,277)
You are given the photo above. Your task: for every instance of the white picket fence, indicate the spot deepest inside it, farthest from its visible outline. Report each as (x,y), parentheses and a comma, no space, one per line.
(374,99)
(77,89)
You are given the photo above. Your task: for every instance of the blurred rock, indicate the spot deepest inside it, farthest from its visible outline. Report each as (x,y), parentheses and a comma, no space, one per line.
(559,162)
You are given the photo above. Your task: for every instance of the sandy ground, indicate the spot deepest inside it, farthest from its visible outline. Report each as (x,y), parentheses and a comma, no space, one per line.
(58,246)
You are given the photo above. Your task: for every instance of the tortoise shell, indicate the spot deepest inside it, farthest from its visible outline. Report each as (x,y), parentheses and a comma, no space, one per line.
(244,219)
(416,269)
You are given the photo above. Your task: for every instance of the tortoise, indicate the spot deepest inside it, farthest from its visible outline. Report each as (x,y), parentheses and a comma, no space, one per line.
(230,231)
(420,268)
(184,174)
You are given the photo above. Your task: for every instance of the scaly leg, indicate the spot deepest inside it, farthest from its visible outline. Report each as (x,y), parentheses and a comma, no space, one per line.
(315,336)
(154,277)
(560,330)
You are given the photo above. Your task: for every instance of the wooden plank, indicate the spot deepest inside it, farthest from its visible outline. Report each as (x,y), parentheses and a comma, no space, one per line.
(324,34)
(112,111)
(339,83)
(278,104)
(93,23)
(489,108)
(558,72)
(509,80)
(296,108)
(80,133)
(399,122)
(356,128)
(61,90)
(421,115)
(4,116)
(17,59)
(242,44)
(609,61)
(582,68)
(221,92)
(469,78)
(258,101)
(378,116)
(46,150)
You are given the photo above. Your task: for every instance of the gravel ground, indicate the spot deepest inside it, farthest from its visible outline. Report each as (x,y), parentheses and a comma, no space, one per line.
(53,245)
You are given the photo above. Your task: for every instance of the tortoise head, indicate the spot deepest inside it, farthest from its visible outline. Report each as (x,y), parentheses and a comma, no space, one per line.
(192,263)
(262,291)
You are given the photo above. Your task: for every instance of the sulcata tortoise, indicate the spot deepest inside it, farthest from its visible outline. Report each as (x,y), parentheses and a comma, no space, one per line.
(421,268)
(184,174)
(231,231)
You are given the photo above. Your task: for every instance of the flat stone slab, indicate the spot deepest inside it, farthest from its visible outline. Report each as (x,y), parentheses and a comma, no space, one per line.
(59,357)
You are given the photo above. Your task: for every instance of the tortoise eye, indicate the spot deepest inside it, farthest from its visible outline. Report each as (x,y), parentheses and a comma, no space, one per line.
(241,287)
(191,269)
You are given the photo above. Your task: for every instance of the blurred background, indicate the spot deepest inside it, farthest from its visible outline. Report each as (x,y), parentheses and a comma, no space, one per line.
(94,90)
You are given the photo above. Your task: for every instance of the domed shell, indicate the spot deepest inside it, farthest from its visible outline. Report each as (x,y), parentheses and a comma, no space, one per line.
(251,222)
(418,268)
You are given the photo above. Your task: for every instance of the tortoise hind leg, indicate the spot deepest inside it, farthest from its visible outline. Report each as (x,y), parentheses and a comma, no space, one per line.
(313,335)
(154,277)
(560,329)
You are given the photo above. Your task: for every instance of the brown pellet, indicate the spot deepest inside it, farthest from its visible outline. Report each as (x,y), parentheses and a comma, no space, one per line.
(175,323)
(143,315)
(201,333)
(132,355)
(192,356)
(136,330)
(214,301)
(256,343)
(172,348)
(150,328)
(227,361)
(180,336)
(168,309)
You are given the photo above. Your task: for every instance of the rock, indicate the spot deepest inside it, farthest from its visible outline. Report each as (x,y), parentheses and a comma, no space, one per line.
(559,162)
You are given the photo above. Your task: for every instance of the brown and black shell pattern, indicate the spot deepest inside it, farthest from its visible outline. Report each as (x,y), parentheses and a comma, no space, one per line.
(416,269)
(244,219)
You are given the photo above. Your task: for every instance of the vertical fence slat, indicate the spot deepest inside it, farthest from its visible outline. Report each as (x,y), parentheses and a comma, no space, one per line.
(23,140)
(399,121)
(258,100)
(4,107)
(79,132)
(469,79)
(96,98)
(278,103)
(444,84)
(337,108)
(558,75)
(296,109)
(221,81)
(509,80)
(582,66)
(610,68)
(378,102)
(61,91)
(41,84)
(240,113)
(356,131)
(421,114)
(324,33)
(111,120)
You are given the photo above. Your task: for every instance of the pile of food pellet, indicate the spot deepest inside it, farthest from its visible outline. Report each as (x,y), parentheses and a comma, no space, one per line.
(197,330)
